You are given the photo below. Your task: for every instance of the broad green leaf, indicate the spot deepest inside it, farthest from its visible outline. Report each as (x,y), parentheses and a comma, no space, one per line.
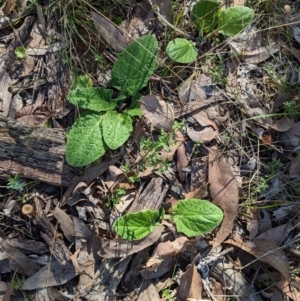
(135,65)
(205,14)
(84,141)
(95,99)
(134,109)
(196,217)
(20,52)
(182,51)
(82,81)
(234,19)
(117,128)
(134,226)
(134,112)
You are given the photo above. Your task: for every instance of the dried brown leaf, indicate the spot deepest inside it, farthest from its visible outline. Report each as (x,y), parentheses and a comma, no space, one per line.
(166,248)
(110,33)
(52,275)
(258,55)
(294,169)
(252,220)
(276,234)
(199,192)
(207,134)
(168,155)
(266,251)
(194,89)
(218,290)
(191,284)
(295,52)
(162,258)
(265,223)
(20,262)
(157,111)
(224,192)
(66,224)
(283,124)
(288,289)
(203,120)
(148,292)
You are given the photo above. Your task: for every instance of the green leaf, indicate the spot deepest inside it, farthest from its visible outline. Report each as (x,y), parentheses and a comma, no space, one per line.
(182,51)
(196,217)
(134,109)
(205,14)
(135,65)
(82,81)
(134,112)
(95,99)
(234,19)
(134,226)
(84,141)
(116,128)
(20,52)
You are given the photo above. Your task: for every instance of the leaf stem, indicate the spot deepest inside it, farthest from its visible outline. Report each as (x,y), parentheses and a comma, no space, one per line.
(166,22)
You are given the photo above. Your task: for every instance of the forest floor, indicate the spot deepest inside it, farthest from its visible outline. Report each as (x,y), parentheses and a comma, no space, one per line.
(149,151)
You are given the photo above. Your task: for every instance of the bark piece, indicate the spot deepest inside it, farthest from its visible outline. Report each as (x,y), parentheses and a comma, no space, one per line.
(34,153)
(59,250)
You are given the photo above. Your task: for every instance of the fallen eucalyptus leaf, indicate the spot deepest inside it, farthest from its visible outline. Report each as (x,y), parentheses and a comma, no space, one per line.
(224,192)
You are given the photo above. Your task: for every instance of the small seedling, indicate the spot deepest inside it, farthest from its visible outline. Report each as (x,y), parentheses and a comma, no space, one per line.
(20,52)
(192,217)
(166,293)
(18,284)
(15,183)
(291,107)
(209,19)
(116,197)
(103,125)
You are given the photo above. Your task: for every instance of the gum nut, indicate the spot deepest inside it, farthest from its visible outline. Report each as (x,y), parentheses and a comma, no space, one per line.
(287,9)
(27,209)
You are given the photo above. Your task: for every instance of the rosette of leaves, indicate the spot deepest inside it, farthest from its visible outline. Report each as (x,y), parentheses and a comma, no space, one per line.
(102,125)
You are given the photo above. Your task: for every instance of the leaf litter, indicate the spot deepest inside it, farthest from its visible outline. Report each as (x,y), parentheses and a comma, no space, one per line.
(247,113)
